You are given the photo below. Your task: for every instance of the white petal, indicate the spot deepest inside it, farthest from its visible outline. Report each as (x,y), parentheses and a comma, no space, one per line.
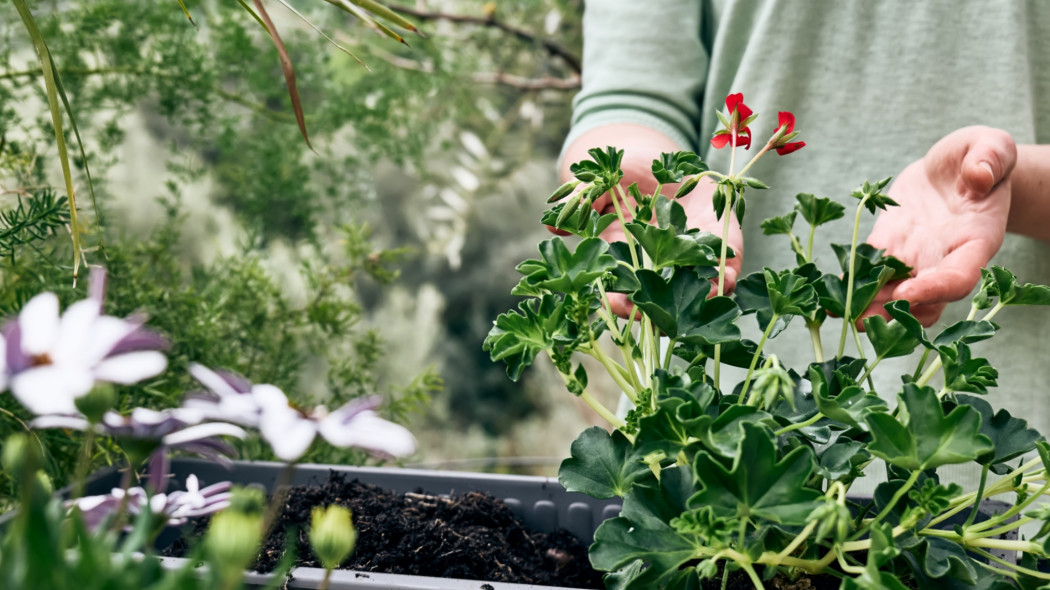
(270,398)
(39,323)
(288,433)
(70,422)
(106,332)
(131,367)
(75,332)
(51,389)
(370,432)
(211,380)
(201,431)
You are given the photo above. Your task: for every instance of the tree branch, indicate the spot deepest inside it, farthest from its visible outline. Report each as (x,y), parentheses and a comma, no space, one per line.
(553,48)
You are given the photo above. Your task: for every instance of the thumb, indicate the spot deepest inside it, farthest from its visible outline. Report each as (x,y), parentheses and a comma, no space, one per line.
(990,157)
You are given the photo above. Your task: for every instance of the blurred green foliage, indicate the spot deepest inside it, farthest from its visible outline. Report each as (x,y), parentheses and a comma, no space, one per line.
(214,95)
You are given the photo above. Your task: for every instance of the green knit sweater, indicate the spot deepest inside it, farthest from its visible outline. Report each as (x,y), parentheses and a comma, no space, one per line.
(873,84)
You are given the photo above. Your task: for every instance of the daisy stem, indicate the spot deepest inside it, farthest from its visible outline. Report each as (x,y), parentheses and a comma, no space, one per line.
(277,498)
(83,464)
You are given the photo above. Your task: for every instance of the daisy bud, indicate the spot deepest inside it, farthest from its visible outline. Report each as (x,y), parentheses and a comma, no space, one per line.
(232,542)
(96,403)
(332,535)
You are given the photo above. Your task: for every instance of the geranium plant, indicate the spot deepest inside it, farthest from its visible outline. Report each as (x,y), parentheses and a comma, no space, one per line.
(754,477)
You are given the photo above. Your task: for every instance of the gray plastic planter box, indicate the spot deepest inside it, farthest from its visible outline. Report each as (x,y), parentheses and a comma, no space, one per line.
(541,502)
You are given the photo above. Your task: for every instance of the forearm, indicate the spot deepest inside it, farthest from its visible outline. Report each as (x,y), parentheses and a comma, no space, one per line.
(1030,193)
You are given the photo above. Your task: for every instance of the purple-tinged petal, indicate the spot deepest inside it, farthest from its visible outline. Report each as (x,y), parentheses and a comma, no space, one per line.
(97,284)
(39,322)
(158,468)
(222,383)
(351,409)
(140,338)
(131,367)
(17,360)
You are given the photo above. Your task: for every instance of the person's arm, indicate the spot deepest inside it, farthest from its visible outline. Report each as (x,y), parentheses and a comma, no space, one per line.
(1030,194)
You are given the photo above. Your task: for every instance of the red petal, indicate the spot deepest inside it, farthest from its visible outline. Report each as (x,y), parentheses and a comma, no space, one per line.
(744,140)
(790,147)
(785,118)
(720,140)
(735,102)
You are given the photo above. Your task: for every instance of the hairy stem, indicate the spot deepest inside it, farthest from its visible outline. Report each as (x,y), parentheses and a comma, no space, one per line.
(847,316)
(754,359)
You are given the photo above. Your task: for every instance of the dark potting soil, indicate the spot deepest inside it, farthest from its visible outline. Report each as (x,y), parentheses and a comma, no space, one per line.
(470,536)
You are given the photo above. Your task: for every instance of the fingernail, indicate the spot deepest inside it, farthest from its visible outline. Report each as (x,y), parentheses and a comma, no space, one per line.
(988,167)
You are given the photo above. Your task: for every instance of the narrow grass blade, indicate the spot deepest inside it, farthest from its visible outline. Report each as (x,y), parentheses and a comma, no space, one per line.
(369,20)
(289,71)
(384,12)
(51,87)
(186,11)
(322,33)
(245,6)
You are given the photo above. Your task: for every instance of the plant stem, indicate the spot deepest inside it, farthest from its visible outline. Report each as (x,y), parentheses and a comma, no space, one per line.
(870,368)
(809,246)
(327,579)
(615,371)
(798,540)
(601,410)
(914,477)
(980,492)
(756,356)
(669,354)
(814,337)
(748,166)
(618,191)
(799,425)
(936,366)
(847,312)
(727,210)
(753,575)
(277,498)
(83,463)
(922,363)
(1013,566)
(1010,512)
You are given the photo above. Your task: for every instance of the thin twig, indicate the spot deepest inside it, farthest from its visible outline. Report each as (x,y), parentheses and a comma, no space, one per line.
(490,20)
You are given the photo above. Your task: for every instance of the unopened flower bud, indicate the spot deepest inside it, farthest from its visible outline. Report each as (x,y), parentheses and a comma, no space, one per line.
(232,542)
(687,186)
(564,190)
(248,500)
(332,535)
(20,455)
(97,402)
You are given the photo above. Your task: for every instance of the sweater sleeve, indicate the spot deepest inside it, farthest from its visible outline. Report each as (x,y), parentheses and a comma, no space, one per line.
(643,63)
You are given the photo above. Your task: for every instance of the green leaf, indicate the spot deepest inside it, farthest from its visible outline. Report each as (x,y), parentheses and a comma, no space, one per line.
(1011,437)
(925,437)
(964,373)
(666,247)
(818,211)
(944,557)
(516,338)
(568,272)
(889,339)
(831,291)
(789,293)
(779,225)
(997,281)
(758,486)
(869,257)
(873,197)
(842,460)
(965,331)
(681,310)
(673,167)
(850,406)
(642,532)
(601,465)
(721,435)
(900,310)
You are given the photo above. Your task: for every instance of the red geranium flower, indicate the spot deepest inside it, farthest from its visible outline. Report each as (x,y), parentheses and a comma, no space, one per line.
(785,133)
(735,125)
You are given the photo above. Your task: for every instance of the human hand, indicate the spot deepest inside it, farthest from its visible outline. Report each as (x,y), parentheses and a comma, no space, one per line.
(951,219)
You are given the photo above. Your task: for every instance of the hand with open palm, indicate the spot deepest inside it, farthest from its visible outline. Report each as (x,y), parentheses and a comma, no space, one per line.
(952,216)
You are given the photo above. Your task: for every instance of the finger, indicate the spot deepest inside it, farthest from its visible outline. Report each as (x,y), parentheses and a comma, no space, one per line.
(953,278)
(621,305)
(556,231)
(989,159)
